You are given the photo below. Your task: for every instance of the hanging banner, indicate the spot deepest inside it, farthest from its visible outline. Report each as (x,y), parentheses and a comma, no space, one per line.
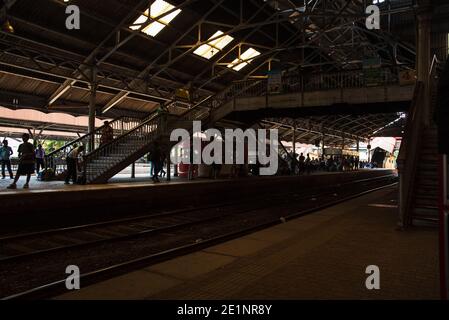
(274,81)
(372,71)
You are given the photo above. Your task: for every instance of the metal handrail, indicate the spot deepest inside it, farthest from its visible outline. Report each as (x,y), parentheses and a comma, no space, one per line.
(290,84)
(408,155)
(119,125)
(144,132)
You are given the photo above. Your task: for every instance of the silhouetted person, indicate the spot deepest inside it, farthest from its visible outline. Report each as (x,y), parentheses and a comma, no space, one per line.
(26,162)
(107,134)
(155,157)
(5,155)
(302,160)
(72,164)
(40,158)
(308,164)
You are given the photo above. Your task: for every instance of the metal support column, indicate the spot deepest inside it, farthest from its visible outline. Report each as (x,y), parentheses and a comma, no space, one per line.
(92,107)
(294,147)
(323,144)
(169,166)
(191,173)
(423,58)
(133,170)
(175,170)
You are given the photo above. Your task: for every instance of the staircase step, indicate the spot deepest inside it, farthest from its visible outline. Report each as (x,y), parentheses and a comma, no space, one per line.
(433,197)
(429,149)
(427,165)
(425,213)
(429,185)
(426,178)
(433,184)
(433,157)
(419,202)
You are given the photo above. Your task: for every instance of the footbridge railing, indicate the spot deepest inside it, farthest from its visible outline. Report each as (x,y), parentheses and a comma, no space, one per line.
(295,84)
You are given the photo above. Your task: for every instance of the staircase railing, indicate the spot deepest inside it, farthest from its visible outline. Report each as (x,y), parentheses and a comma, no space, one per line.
(408,154)
(119,125)
(411,144)
(140,135)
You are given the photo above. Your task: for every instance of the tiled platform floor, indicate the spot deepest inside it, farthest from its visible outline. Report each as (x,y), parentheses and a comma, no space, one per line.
(319,256)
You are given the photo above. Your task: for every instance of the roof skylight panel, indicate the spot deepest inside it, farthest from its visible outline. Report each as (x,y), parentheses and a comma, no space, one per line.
(158,8)
(211,48)
(244,59)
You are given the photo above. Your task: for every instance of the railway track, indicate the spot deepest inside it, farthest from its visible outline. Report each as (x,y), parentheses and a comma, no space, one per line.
(106,249)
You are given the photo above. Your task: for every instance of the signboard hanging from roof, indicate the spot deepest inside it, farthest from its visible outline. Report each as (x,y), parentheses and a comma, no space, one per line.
(274,81)
(372,71)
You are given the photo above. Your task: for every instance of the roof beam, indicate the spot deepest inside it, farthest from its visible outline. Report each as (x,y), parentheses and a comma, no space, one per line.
(91,58)
(119,97)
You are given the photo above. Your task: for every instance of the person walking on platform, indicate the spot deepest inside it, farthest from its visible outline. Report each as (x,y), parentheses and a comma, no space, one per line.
(308,164)
(40,158)
(155,157)
(72,164)
(5,155)
(302,161)
(162,172)
(26,162)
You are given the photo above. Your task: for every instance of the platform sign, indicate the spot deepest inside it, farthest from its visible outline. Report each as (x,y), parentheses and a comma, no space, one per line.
(183,94)
(407,77)
(372,71)
(274,81)
(333,152)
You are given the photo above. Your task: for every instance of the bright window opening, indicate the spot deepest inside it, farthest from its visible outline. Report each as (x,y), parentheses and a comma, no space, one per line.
(158,8)
(208,50)
(244,59)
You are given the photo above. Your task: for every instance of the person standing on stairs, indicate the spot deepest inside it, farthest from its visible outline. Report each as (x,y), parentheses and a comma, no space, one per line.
(107,134)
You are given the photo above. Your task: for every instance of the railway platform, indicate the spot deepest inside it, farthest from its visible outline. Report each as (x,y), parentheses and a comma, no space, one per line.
(319,256)
(58,206)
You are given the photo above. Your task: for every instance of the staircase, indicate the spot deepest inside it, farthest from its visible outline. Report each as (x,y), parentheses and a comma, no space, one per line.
(56,160)
(425,199)
(108,160)
(418,158)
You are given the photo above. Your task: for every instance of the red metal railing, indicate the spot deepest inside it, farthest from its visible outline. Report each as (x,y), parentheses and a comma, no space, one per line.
(443,206)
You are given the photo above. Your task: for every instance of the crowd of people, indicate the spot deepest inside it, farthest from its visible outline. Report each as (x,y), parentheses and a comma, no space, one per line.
(31,159)
(300,164)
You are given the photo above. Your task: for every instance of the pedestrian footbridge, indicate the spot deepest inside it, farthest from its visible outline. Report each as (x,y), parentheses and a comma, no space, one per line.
(337,90)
